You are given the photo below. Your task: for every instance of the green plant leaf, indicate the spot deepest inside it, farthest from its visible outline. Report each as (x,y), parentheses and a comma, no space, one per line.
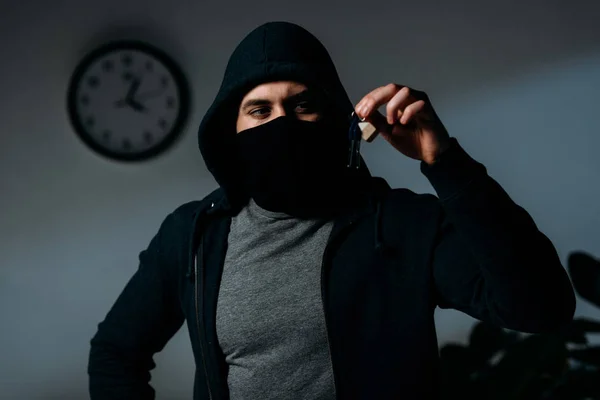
(578,384)
(590,355)
(577,330)
(525,363)
(585,274)
(486,340)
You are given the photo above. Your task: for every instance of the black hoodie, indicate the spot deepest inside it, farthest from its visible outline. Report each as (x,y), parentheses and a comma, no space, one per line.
(392,258)
(273,51)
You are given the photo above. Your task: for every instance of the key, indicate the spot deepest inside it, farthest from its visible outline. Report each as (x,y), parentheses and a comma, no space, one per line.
(355,137)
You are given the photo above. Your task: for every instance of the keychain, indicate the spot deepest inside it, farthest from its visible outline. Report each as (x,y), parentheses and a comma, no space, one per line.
(359,130)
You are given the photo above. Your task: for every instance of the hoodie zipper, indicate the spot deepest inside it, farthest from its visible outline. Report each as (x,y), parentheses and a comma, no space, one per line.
(323,301)
(326,325)
(197,298)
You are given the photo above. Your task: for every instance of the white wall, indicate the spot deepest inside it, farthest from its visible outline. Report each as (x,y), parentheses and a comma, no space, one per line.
(516,83)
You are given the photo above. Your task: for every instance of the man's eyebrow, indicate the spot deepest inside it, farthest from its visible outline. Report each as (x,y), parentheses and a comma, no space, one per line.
(303,95)
(314,97)
(255,102)
(306,94)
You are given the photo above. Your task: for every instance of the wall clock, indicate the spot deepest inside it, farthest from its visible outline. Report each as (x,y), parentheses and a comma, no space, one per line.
(128,101)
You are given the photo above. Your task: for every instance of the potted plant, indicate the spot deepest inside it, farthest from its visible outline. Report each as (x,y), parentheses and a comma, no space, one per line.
(499,364)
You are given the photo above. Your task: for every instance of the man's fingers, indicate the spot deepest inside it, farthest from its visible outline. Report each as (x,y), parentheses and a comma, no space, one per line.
(411,110)
(375,99)
(394,108)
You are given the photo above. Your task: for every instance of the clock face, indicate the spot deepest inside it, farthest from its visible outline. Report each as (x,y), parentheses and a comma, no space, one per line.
(128,101)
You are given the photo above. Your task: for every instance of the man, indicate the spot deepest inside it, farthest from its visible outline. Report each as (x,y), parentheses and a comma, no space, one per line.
(301,278)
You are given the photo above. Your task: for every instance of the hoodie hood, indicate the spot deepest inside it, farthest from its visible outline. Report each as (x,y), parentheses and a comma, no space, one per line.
(271,52)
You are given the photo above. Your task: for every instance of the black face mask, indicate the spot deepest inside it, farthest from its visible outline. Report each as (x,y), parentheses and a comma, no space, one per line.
(296,167)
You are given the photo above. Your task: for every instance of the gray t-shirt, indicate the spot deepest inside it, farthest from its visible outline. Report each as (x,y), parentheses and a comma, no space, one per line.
(270,320)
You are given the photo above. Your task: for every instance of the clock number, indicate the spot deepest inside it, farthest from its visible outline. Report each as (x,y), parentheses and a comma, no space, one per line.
(127,60)
(93,81)
(170,102)
(148,136)
(108,66)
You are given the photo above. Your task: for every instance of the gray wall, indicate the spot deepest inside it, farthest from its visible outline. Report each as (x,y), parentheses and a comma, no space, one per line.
(516,82)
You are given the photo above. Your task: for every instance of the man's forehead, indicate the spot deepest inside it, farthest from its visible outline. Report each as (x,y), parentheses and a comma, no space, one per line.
(277,88)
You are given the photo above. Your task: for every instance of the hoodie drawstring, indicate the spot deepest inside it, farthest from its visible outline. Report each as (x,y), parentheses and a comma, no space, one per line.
(379,245)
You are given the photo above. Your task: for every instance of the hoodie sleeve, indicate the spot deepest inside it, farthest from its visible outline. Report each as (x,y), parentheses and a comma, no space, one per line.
(490,260)
(142,320)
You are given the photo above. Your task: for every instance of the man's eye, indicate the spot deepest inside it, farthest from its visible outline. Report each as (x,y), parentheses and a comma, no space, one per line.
(259,112)
(305,107)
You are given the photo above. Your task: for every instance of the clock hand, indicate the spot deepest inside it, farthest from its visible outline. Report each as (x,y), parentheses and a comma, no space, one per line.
(135,85)
(129,97)
(151,94)
(137,106)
